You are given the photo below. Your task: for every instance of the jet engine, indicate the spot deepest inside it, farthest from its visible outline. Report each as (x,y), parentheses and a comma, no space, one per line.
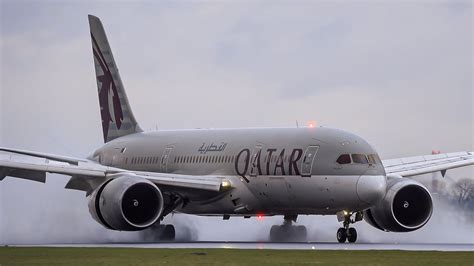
(126,203)
(407,206)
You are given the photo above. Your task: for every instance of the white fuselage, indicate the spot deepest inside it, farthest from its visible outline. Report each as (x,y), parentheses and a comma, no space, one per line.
(272,170)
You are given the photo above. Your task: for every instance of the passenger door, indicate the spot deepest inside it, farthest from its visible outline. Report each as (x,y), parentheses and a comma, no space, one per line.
(164,159)
(308,160)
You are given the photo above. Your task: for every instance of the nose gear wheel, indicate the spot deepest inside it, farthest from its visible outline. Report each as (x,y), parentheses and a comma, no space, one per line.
(346,232)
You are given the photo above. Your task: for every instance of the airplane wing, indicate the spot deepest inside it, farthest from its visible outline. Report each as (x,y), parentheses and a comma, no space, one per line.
(86,175)
(412,166)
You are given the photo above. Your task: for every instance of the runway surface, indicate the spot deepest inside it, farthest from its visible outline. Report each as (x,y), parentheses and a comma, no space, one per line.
(273,245)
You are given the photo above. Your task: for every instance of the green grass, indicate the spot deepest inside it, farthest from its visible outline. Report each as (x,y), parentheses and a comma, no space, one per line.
(140,256)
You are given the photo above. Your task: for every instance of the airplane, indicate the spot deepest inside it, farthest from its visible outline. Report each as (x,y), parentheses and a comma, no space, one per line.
(137,178)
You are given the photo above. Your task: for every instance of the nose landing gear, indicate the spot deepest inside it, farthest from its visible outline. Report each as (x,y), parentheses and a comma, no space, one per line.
(346,232)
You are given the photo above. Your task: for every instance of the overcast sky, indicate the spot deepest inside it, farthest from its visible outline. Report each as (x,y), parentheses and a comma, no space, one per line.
(398,74)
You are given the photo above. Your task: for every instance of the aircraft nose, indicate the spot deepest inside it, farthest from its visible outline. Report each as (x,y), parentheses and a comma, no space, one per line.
(371,188)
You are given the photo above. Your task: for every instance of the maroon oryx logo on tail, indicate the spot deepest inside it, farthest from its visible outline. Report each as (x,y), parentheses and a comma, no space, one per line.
(108,92)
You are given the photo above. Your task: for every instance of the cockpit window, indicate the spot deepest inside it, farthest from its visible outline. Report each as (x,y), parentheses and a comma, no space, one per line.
(373,158)
(359,158)
(344,159)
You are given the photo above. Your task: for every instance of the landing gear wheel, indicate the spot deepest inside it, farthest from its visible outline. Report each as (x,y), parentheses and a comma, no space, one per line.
(341,235)
(274,233)
(301,233)
(352,236)
(288,233)
(168,233)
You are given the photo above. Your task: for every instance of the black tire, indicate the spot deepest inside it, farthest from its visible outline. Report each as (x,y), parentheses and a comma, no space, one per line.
(274,233)
(352,236)
(301,233)
(168,233)
(341,235)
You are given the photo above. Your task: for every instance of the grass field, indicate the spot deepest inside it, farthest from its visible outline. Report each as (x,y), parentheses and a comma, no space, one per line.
(139,256)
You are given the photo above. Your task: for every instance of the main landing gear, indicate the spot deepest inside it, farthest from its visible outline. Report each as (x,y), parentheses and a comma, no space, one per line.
(287,232)
(347,233)
(159,233)
(166,232)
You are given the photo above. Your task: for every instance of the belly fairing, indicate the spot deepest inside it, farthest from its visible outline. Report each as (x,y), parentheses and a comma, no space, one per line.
(277,195)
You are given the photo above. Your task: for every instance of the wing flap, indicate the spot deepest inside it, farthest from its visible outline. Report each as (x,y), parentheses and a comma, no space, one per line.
(46,165)
(24,174)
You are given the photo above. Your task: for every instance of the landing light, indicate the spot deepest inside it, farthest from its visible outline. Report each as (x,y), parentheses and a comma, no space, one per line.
(225,185)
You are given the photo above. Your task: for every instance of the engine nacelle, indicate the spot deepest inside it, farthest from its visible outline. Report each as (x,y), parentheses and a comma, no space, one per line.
(407,206)
(126,203)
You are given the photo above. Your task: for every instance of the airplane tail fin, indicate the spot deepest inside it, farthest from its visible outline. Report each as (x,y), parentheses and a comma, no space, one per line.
(117,116)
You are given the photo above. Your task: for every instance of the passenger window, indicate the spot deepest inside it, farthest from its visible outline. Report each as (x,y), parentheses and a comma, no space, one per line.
(359,158)
(344,159)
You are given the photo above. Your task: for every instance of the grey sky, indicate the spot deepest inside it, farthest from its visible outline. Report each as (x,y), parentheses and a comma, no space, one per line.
(398,74)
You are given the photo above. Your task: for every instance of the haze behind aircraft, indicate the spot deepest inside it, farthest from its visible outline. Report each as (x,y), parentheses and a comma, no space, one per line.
(137,178)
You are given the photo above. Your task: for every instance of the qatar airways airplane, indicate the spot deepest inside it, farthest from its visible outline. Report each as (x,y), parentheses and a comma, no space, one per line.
(137,178)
